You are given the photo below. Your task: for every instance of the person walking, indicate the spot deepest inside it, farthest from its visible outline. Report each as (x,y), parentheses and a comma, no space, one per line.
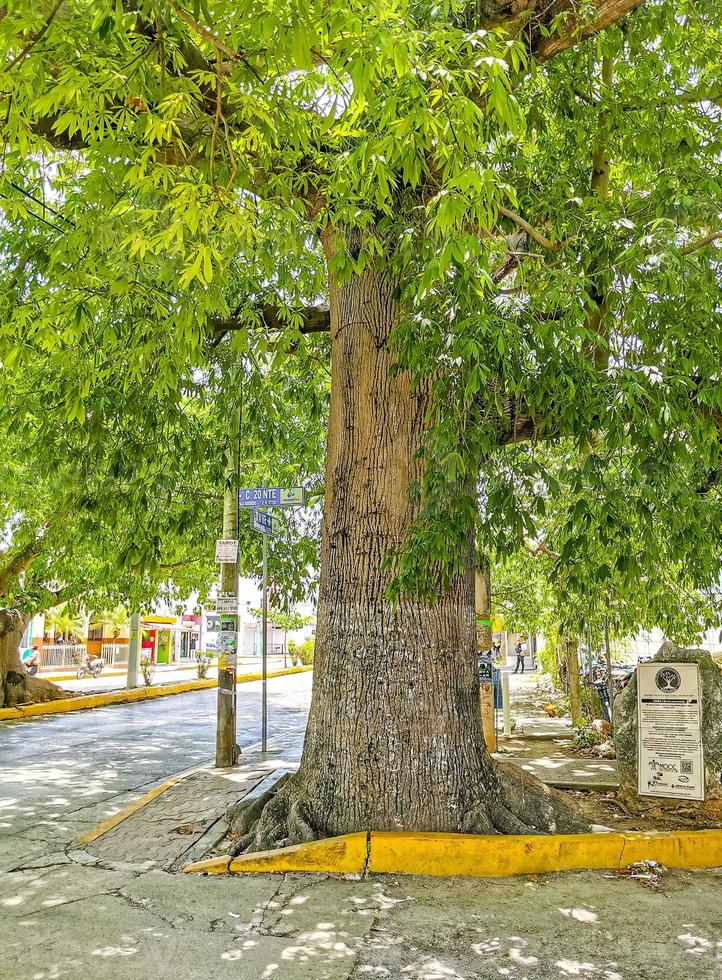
(519,650)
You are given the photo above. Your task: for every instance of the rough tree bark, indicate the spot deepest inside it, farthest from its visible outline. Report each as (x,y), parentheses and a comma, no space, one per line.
(571,656)
(394,737)
(16,687)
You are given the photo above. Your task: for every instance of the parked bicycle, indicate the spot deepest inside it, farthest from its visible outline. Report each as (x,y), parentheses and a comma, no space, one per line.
(89,667)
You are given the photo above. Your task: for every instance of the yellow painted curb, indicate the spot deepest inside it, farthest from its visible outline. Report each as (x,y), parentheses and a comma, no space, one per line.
(337,855)
(84,701)
(105,825)
(211,866)
(497,856)
(448,855)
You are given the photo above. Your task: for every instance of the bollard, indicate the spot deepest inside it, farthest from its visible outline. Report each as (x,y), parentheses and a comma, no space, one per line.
(506,702)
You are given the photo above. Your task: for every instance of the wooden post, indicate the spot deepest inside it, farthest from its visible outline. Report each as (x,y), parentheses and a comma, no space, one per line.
(486,697)
(227,751)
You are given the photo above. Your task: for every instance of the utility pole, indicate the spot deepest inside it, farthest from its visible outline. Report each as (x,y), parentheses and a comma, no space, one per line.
(134,644)
(227,750)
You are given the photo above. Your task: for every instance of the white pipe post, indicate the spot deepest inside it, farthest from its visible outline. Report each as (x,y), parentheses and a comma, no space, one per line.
(134,644)
(506,702)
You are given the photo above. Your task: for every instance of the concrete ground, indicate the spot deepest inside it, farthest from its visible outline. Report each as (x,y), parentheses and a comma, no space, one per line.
(69,913)
(62,774)
(69,921)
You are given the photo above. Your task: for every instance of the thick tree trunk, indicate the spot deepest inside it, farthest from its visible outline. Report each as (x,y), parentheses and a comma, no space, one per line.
(16,687)
(394,737)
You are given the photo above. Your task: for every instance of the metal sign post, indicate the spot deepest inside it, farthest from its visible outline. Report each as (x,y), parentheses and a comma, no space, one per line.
(264,641)
(256,498)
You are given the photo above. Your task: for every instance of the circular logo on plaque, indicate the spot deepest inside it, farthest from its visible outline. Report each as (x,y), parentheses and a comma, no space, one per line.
(667,680)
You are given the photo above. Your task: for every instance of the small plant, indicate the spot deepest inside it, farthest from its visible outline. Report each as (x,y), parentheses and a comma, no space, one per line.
(585,736)
(203,663)
(305,652)
(148,669)
(294,654)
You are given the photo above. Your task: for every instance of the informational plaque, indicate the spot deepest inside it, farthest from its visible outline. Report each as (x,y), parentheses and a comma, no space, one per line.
(671,761)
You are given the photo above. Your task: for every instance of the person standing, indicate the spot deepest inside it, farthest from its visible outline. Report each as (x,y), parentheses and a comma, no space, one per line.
(519,650)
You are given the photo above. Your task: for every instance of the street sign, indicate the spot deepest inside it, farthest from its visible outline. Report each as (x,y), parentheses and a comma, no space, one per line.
(227,602)
(271,497)
(265,523)
(226,551)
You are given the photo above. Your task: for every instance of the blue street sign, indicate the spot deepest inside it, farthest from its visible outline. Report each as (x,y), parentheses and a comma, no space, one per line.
(265,523)
(271,497)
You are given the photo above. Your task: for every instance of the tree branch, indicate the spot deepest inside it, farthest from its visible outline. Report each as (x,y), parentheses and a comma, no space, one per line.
(698,243)
(18,564)
(37,36)
(316,319)
(574,29)
(530,230)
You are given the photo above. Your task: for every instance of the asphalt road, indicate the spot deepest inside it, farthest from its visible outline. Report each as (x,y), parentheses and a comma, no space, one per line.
(62,773)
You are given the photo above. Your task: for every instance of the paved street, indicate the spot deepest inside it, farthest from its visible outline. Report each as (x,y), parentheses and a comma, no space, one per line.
(60,774)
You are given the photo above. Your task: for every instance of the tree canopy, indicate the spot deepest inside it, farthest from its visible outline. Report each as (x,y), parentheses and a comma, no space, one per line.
(544,186)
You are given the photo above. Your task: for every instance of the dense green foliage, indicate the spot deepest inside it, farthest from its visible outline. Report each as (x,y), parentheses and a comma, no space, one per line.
(167,166)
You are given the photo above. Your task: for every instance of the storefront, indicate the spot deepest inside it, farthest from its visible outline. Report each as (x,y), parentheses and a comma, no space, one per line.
(158,639)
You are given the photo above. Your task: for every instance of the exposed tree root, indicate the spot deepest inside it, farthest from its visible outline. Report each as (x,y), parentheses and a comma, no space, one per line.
(16,686)
(22,689)
(519,803)
(526,805)
(276,819)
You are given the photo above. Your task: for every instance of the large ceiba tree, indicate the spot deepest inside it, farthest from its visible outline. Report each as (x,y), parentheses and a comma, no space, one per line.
(505,215)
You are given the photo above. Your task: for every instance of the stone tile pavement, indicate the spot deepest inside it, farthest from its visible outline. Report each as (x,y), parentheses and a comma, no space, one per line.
(172,824)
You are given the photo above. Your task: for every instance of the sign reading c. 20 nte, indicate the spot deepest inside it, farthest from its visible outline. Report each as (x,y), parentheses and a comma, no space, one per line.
(271,497)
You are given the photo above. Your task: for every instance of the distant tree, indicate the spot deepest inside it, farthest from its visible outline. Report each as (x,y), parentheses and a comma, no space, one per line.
(66,624)
(116,620)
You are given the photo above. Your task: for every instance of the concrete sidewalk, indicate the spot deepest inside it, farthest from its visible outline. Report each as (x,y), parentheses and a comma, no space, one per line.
(114,679)
(112,909)
(186,821)
(541,745)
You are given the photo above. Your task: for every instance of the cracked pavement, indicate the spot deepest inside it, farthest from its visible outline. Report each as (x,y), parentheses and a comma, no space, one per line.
(67,914)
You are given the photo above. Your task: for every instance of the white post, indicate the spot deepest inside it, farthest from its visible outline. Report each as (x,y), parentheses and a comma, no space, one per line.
(134,645)
(506,702)
(202,630)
